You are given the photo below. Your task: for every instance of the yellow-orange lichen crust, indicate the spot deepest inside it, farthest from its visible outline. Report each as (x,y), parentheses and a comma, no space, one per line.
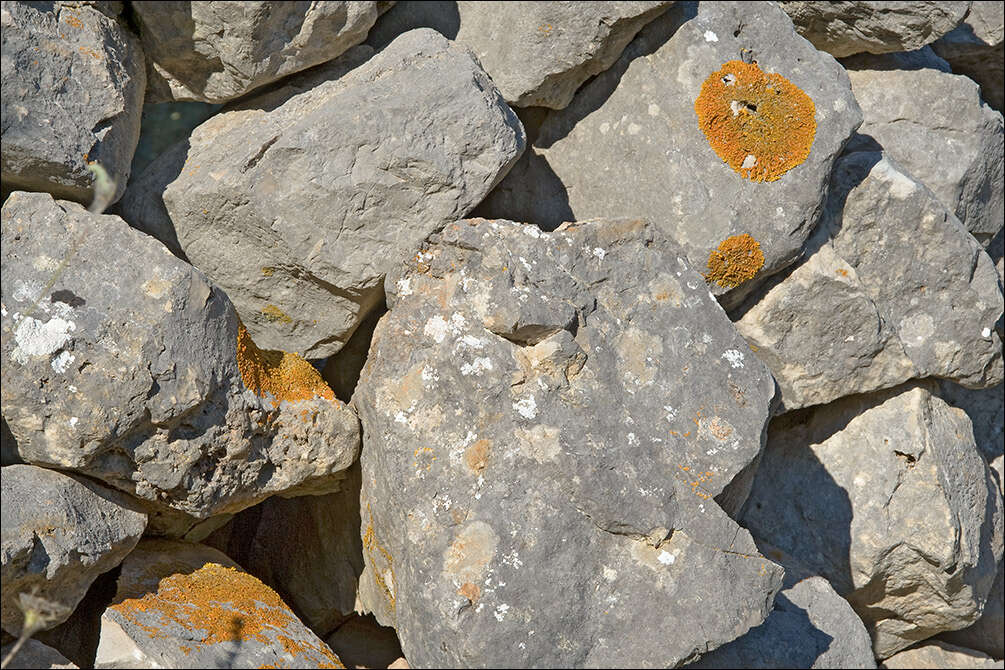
(737,259)
(286,376)
(759,123)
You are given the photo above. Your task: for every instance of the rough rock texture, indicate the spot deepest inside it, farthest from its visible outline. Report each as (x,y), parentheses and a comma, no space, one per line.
(72,93)
(299,212)
(218,51)
(887,498)
(846,28)
(986,409)
(35,655)
(935,125)
(630,144)
(810,626)
(976,48)
(550,422)
(182,605)
(940,656)
(363,643)
(59,534)
(539,53)
(872,307)
(141,381)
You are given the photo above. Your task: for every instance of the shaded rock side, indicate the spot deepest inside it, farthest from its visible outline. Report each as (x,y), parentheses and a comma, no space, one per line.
(887,498)
(144,378)
(846,28)
(630,144)
(976,48)
(218,51)
(34,655)
(73,85)
(539,53)
(363,643)
(183,605)
(986,409)
(59,534)
(940,656)
(299,212)
(896,289)
(551,419)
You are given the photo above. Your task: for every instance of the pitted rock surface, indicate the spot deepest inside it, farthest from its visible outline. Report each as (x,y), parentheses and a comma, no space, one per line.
(550,420)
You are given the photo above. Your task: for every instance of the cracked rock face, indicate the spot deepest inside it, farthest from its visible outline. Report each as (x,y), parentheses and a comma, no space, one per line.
(132,375)
(552,422)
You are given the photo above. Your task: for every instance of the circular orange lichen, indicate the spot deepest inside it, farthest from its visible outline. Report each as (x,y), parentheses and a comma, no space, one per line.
(737,259)
(286,376)
(759,123)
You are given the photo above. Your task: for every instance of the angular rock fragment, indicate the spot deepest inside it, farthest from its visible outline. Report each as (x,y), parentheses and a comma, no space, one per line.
(59,534)
(631,142)
(144,377)
(73,85)
(553,421)
(35,655)
(218,51)
(887,498)
(539,53)
(938,655)
(976,48)
(188,605)
(846,28)
(299,212)
(899,291)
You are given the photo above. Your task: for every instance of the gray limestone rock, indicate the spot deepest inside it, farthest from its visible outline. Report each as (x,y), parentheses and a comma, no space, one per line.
(59,534)
(976,48)
(73,85)
(887,498)
(846,28)
(552,421)
(218,51)
(986,409)
(986,635)
(897,289)
(539,53)
(126,364)
(630,143)
(938,655)
(36,656)
(298,212)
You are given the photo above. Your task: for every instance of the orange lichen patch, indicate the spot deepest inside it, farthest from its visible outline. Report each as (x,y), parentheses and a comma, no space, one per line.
(696,480)
(737,259)
(373,549)
(297,648)
(286,376)
(477,455)
(759,123)
(470,591)
(266,271)
(273,313)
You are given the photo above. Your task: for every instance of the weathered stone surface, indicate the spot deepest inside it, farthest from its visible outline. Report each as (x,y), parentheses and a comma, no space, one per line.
(810,626)
(846,28)
(8,446)
(218,51)
(139,378)
(539,53)
(35,655)
(935,125)
(630,143)
(72,92)
(986,409)
(182,605)
(363,643)
(987,634)
(940,656)
(976,48)
(59,534)
(887,498)
(550,420)
(299,212)
(899,290)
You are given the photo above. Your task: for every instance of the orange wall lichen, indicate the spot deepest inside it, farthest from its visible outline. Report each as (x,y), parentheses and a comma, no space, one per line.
(759,123)
(737,259)
(286,376)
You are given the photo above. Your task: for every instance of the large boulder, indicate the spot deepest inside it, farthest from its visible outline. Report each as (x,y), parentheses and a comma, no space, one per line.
(145,378)
(539,53)
(73,85)
(887,497)
(59,533)
(682,129)
(552,422)
(873,306)
(218,51)
(976,48)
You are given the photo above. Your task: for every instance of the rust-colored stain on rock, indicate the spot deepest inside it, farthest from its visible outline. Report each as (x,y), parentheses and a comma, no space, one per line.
(738,258)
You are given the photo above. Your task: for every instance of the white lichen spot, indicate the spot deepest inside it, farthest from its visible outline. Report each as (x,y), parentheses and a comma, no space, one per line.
(654,109)
(73,389)
(471,341)
(73,421)
(26,291)
(610,574)
(634,128)
(749,162)
(62,361)
(532,230)
(632,439)
(500,612)
(986,333)
(734,357)
(666,558)
(527,407)
(599,253)
(429,375)
(671,413)
(859,481)
(476,367)
(779,211)
(436,328)
(35,338)
(404,286)
(710,36)
(400,417)
(605,127)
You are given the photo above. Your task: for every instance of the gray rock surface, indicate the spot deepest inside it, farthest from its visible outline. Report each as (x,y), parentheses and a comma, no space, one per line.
(986,409)
(846,28)
(73,84)
(986,634)
(539,53)
(183,605)
(59,534)
(218,51)
(871,307)
(940,656)
(976,48)
(34,656)
(143,381)
(550,421)
(630,143)
(298,212)
(887,498)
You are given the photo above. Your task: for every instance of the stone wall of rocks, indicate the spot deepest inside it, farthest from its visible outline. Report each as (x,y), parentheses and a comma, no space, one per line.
(483,334)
